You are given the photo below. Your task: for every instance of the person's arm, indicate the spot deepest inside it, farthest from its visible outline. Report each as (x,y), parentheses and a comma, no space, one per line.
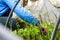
(21,12)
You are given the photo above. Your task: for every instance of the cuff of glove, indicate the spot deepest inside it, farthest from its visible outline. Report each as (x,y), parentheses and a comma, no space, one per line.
(36,21)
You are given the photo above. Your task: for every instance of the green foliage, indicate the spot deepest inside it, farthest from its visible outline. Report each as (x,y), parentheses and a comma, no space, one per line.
(32,32)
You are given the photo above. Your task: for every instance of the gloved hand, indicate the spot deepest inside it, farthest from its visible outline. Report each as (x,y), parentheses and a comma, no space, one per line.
(43,29)
(37,22)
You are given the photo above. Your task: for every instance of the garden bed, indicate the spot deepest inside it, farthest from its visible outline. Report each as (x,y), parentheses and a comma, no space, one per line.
(32,32)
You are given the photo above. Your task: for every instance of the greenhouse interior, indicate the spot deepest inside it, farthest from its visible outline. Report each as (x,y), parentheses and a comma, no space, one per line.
(29,19)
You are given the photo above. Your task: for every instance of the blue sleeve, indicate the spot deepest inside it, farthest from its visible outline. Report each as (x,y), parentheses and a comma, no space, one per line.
(3,8)
(21,12)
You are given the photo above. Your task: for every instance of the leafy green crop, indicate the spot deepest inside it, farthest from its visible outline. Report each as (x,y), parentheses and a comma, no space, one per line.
(32,32)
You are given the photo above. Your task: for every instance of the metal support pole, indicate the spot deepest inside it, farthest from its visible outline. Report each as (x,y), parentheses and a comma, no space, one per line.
(55,29)
(11,12)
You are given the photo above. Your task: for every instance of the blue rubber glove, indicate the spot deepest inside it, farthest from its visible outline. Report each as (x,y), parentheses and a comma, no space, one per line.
(19,10)
(36,21)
